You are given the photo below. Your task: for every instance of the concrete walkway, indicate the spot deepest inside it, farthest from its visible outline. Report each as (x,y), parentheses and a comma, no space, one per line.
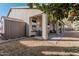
(73,35)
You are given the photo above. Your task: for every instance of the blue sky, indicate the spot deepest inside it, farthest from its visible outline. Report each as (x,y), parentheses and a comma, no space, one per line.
(4,7)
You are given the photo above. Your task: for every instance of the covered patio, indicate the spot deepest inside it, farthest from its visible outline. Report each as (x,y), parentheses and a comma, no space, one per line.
(42,30)
(39,27)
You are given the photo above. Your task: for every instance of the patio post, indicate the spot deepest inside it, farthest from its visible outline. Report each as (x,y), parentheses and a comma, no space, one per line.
(44,26)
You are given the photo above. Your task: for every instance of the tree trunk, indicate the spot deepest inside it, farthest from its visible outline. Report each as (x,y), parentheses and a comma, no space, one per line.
(54,31)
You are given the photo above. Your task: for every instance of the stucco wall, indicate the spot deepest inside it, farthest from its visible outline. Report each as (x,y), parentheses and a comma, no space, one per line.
(24,14)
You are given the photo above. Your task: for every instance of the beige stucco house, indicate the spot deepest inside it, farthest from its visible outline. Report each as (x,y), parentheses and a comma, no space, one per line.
(36,21)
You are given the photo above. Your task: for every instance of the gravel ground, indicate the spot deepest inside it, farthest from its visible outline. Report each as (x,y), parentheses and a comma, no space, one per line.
(33,47)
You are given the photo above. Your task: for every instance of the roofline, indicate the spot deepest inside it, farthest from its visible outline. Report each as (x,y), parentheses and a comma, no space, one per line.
(9,12)
(22,8)
(12,18)
(19,8)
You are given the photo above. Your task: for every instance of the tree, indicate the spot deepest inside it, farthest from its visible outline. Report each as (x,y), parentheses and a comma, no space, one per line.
(53,11)
(56,11)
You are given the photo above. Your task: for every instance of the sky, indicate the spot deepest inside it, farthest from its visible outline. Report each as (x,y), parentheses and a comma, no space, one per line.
(4,7)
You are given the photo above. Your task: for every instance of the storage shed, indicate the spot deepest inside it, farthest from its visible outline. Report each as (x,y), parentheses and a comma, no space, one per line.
(12,29)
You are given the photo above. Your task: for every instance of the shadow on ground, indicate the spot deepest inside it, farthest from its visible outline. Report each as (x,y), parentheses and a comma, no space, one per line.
(15,48)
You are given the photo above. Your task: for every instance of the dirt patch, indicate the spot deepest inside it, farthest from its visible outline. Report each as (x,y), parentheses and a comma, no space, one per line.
(31,47)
